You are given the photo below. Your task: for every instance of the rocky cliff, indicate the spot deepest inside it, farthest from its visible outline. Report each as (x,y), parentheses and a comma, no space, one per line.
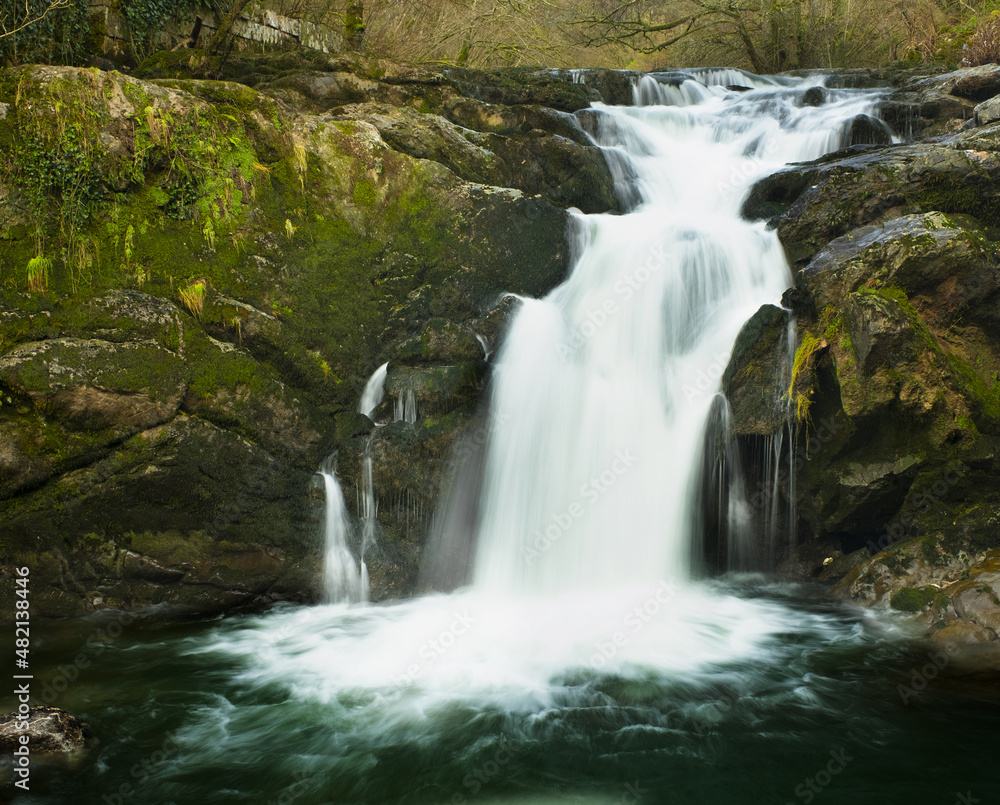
(895,383)
(198,277)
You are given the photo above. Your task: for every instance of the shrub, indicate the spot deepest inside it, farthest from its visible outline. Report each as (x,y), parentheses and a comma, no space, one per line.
(984,47)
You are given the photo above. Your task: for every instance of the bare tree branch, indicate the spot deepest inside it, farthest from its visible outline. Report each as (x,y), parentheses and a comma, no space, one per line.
(28,19)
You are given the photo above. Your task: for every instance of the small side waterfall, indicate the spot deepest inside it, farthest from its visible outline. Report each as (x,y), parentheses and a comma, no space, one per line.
(405,409)
(374,391)
(369,503)
(343,580)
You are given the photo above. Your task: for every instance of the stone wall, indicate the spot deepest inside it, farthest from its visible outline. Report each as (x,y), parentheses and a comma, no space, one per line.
(256,28)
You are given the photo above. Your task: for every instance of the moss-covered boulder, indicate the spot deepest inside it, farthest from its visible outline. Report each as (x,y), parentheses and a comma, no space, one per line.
(198,278)
(818,202)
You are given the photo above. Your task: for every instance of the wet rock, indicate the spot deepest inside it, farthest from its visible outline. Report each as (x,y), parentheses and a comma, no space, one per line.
(987,112)
(962,633)
(975,83)
(757,377)
(977,602)
(533,160)
(867,130)
(814,96)
(433,390)
(51,732)
(824,201)
(440,342)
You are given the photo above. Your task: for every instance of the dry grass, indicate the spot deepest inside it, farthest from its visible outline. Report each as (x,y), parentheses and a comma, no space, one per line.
(193,297)
(984,47)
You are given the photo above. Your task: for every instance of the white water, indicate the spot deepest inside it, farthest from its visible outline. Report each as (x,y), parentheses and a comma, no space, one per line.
(374,391)
(343,580)
(589,505)
(592,481)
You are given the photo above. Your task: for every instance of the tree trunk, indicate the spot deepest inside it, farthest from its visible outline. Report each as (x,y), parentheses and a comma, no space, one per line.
(354,25)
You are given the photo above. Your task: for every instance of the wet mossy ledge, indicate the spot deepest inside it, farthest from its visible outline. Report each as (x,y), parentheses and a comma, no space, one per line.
(895,390)
(198,276)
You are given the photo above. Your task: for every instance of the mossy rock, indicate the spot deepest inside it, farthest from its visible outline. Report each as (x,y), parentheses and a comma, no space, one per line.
(910,599)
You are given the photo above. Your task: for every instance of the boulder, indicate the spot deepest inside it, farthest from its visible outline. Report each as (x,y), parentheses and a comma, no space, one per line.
(987,112)
(757,378)
(51,732)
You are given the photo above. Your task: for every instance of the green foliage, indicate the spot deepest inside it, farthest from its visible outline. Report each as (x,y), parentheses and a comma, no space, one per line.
(73,182)
(57,36)
(983,46)
(146,18)
(56,166)
(808,347)
(193,297)
(38,274)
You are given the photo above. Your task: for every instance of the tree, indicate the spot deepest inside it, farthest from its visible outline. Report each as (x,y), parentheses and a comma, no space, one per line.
(10,24)
(764,35)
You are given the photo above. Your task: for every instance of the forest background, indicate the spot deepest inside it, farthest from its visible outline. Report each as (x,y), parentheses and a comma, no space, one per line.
(765,36)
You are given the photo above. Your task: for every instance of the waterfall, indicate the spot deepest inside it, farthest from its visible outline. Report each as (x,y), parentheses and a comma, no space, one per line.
(595,479)
(343,580)
(374,391)
(405,409)
(578,655)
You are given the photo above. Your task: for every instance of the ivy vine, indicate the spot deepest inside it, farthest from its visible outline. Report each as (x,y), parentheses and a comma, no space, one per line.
(57,37)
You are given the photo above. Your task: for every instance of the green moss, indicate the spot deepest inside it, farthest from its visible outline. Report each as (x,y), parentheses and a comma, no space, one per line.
(985,398)
(912,599)
(897,562)
(365,194)
(929,550)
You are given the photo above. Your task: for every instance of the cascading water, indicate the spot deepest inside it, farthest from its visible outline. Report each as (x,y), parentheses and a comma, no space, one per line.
(582,664)
(343,580)
(593,482)
(374,391)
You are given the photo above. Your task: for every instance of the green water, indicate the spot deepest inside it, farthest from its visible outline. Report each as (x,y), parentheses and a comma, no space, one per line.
(239,710)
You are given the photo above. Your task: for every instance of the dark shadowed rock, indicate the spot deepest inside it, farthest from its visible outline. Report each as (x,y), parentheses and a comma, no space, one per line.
(977,83)
(867,130)
(757,378)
